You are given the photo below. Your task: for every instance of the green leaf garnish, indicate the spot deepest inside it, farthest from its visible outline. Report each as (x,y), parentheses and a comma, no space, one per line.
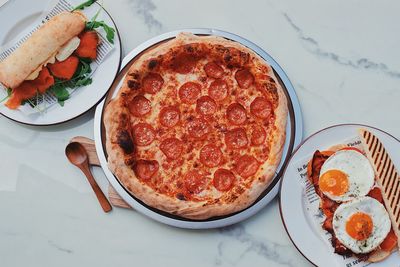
(9,91)
(110,32)
(93,24)
(60,92)
(83,5)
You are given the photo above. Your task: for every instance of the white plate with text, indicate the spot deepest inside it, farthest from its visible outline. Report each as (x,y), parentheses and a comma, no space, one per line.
(299,208)
(18,15)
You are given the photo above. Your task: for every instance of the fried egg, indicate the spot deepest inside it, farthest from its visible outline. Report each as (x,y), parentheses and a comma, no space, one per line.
(345,175)
(361,224)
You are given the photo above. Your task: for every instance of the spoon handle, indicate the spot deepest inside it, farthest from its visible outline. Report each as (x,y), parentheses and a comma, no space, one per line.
(99,194)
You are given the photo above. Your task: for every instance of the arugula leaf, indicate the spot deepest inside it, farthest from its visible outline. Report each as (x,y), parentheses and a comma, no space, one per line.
(9,91)
(110,32)
(60,92)
(84,4)
(93,24)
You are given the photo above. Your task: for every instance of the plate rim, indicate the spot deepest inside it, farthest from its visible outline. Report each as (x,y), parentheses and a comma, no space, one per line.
(98,101)
(292,156)
(271,190)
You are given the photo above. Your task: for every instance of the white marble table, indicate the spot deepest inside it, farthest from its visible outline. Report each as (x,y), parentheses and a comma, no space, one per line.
(343,60)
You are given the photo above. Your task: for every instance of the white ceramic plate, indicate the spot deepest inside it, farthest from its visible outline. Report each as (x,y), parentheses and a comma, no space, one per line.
(292,195)
(15,16)
(293,138)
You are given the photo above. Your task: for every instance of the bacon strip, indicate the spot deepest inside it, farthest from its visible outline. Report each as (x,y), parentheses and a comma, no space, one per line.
(314,169)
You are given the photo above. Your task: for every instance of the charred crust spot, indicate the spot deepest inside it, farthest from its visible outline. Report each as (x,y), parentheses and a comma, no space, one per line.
(124,140)
(231,198)
(228,58)
(240,190)
(130,162)
(273,91)
(189,48)
(180,196)
(134,75)
(271,80)
(133,84)
(152,64)
(244,56)
(123,118)
(235,58)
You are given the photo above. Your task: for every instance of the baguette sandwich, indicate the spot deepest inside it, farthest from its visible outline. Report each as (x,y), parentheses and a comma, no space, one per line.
(51,54)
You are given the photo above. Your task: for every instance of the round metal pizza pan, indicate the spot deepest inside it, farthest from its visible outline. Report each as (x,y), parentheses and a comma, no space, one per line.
(294,130)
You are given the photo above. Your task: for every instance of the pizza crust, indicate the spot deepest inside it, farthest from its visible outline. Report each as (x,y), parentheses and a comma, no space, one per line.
(196,210)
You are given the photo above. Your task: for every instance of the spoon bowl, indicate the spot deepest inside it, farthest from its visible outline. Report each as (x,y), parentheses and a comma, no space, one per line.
(76,153)
(78,156)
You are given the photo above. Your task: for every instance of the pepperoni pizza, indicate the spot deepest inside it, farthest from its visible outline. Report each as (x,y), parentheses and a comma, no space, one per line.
(198,127)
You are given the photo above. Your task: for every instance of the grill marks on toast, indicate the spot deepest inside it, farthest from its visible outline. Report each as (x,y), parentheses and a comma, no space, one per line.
(387,175)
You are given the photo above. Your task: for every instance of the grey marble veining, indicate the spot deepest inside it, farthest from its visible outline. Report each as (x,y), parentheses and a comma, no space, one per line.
(144,9)
(270,250)
(362,63)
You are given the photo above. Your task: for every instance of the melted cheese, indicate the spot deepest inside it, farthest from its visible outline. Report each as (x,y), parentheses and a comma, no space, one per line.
(68,49)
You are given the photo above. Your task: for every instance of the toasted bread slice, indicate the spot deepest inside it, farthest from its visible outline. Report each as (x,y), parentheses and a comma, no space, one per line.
(379,255)
(387,176)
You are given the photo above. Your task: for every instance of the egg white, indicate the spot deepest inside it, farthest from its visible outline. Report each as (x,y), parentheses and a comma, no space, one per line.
(380,219)
(358,170)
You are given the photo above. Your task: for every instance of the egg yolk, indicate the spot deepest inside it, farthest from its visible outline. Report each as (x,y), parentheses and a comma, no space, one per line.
(359,226)
(334,182)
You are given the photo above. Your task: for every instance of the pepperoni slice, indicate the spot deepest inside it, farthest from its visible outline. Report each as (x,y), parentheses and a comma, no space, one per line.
(206,106)
(223,180)
(172,148)
(139,106)
(236,114)
(195,182)
(213,70)
(246,166)
(143,134)
(236,138)
(218,90)
(258,135)
(145,169)
(169,116)
(210,155)
(152,83)
(244,78)
(189,92)
(198,128)
(261,107)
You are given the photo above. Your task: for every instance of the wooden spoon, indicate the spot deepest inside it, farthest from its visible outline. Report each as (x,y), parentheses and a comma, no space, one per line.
(78,156)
